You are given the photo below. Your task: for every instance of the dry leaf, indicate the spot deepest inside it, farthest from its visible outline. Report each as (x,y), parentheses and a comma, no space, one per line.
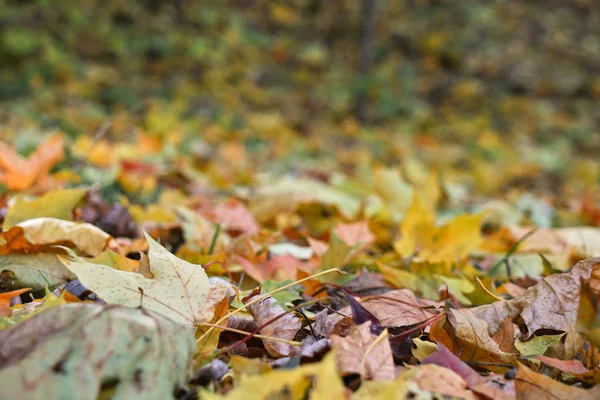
(466,335)
(363,353)
(179,290)
(550,304)
(18,173)
(531,385)
(40,234)
(285,327)
(5,300)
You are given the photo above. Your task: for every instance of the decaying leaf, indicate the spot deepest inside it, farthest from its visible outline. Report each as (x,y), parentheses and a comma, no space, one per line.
(531,385)
(286,327)
(363,353)
(550,304)
(88,349)
(465,334)
(35,271)
(179,290)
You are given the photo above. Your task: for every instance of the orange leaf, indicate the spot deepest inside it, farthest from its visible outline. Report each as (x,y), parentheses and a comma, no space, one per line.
(19,173)
(5,310)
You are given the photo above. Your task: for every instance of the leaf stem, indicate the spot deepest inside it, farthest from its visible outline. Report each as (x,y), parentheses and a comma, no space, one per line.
(241,332)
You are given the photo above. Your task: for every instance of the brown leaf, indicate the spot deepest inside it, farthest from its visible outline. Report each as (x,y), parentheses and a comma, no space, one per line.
(466,335)
(550,304)
(285,327)
(487,386)
(505,337)
(436,379)
(444,358)
(396,308)
(363,353)
(531,385)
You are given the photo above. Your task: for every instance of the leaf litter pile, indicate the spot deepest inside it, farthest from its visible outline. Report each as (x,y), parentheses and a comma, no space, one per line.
(191,207)
(363,282)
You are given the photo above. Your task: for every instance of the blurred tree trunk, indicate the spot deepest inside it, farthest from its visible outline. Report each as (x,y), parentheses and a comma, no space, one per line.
(367,38)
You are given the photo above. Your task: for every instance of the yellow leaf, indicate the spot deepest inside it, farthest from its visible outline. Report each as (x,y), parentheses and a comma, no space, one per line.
(455,240)
(417,229)
(56,203)
(39,234)
(321,378)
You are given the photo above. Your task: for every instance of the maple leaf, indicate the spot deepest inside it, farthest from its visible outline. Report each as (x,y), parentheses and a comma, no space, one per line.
(87,345)
(179,290)
(550,304)
(18,173)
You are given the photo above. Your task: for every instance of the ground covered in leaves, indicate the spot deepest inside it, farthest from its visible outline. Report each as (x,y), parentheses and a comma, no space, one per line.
(190,209)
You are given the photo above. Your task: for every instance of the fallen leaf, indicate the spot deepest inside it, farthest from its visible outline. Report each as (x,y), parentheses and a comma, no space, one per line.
(321,380)
(39,234)
(363,353)
(550,304)
(235,216)
(531,385)
(36,271)
(57,203)
(448,243)
(18,173)
(537,345)
(570,366)
(286,327)
(5,300)
(356,233)
(87,346)
(465,334)
(179,290)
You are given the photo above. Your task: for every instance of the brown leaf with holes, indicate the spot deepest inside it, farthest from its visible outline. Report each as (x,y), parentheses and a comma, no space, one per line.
(363,353)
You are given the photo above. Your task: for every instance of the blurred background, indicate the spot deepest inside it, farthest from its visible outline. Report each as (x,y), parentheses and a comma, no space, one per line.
(504,94)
